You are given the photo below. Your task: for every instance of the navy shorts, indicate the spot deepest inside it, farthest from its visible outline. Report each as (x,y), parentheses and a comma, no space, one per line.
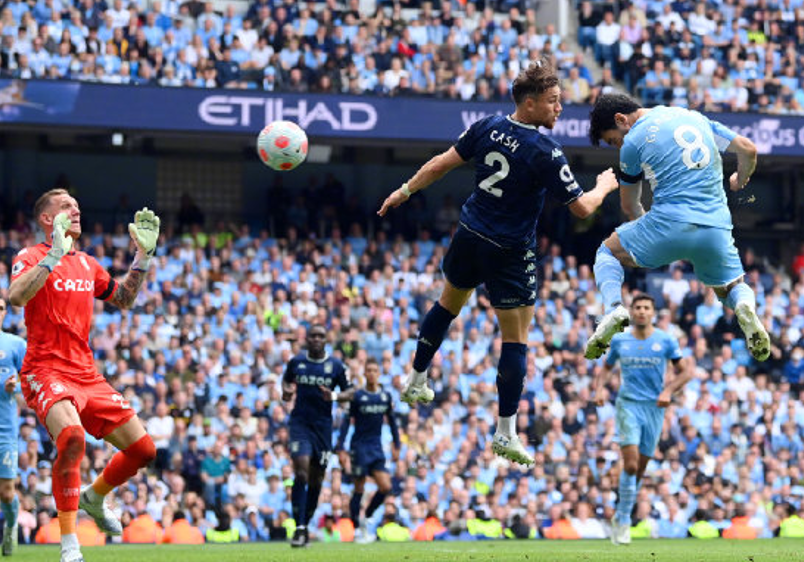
(508,273)
(367,459)
(306,441)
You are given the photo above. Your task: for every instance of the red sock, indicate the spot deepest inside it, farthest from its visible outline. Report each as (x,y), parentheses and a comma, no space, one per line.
(125,464)
(70,446)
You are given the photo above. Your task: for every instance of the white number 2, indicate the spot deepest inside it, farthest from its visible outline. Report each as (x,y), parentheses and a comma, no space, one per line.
(690,147)
(487,184)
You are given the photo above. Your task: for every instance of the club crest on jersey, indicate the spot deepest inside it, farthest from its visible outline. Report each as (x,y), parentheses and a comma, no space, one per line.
(363,398)
(328,368)
(557,153)
(656,347)
(17,269)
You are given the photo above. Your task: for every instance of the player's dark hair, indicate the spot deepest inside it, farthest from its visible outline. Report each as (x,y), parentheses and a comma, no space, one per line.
(643,297)
(44,200)
(371,361)
(601,118)
(536,79)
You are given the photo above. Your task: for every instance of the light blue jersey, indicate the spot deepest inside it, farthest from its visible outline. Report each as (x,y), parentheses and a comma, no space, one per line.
(677,151)
(642,363)
(12,351)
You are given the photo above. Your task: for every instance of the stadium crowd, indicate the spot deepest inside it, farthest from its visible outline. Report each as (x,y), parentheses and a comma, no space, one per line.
(201,355)
(721,55)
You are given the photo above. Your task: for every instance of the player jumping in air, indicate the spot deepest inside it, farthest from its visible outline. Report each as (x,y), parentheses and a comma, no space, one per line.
(643,354)
(495,243)
(677,152)
(12,352)
(58,287)
(369,407)
(313,377)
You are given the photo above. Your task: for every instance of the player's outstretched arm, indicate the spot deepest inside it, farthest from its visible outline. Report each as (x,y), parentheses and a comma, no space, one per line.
(682,374)
(746,152)
(435,168)
(145,232)
(601,380)
(589,202)
(25,287)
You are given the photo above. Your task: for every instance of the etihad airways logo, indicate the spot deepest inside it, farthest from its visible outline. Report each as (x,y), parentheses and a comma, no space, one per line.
(79,285)
(247,111)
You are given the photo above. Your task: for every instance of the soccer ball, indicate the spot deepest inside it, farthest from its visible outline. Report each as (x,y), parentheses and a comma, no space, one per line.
(282,145)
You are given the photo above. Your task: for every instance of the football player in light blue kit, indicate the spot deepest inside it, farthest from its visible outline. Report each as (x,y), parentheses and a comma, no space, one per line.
(643,353)
(12,351)
(677,152)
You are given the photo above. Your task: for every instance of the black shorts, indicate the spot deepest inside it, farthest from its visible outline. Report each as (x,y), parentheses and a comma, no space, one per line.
(508,273)
(306,441)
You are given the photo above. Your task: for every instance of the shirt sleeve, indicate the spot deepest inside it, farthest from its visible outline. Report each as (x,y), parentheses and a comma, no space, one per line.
(22,262)
(613,356)
(630,166)
(465,146)
(673,349)
(343,379)
(560,181)
(20,355)
(104,284)
(392,424)
(290,372)
(723,135)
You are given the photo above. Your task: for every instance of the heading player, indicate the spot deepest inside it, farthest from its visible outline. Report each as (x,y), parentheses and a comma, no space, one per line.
(369,408)
(58,286)
(516,166)
(313,377)
(12,352)
(643,354)
(677,152)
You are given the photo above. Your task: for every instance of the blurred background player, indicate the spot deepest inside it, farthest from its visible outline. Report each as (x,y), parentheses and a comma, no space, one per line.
(12,352)
(369,407)
(58,286)
(495,243)
(313,377)
(643,353)
(678,152)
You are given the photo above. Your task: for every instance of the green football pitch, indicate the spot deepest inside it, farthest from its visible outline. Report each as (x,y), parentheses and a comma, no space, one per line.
(537,550)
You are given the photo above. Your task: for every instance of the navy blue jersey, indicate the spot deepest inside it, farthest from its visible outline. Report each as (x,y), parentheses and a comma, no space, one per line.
(369,409)
(309,374)
(515,165)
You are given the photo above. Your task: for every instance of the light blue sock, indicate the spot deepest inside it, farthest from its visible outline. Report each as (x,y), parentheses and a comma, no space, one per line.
(10,511)
(740,293)
(609,276)
(627,499)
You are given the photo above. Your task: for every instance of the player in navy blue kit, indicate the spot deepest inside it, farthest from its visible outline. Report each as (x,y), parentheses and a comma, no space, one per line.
(12,351)
(370,407)
(312,377)
(516,166)
(643,353)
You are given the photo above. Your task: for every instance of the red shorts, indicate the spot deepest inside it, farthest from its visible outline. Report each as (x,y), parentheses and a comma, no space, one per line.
(101,408)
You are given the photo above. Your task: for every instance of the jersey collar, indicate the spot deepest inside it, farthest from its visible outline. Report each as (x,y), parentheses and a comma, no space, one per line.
(46,245)
(525,125)
(311,360)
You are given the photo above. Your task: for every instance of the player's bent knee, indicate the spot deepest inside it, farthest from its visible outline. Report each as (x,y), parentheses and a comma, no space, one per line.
(143,451)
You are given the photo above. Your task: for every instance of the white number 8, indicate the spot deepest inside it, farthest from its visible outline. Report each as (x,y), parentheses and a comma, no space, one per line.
(690,147)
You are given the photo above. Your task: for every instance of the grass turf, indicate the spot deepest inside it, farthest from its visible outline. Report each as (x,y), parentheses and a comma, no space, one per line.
(688,550)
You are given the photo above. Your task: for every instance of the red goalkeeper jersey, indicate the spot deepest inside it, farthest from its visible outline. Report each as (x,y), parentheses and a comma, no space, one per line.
(59,317)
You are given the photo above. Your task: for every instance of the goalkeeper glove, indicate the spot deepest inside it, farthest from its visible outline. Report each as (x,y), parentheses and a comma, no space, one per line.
(145,232)
(61,242)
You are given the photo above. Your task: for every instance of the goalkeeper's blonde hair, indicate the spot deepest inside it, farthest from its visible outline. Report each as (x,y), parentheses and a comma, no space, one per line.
(44,200)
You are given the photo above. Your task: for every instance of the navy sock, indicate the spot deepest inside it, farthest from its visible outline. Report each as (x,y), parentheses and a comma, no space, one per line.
(354,508)
(511,372)
(298,497)
(433,329)
(313,492)
(376,501)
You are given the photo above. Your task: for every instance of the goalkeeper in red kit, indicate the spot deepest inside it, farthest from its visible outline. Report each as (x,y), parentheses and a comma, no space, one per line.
(58,286)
